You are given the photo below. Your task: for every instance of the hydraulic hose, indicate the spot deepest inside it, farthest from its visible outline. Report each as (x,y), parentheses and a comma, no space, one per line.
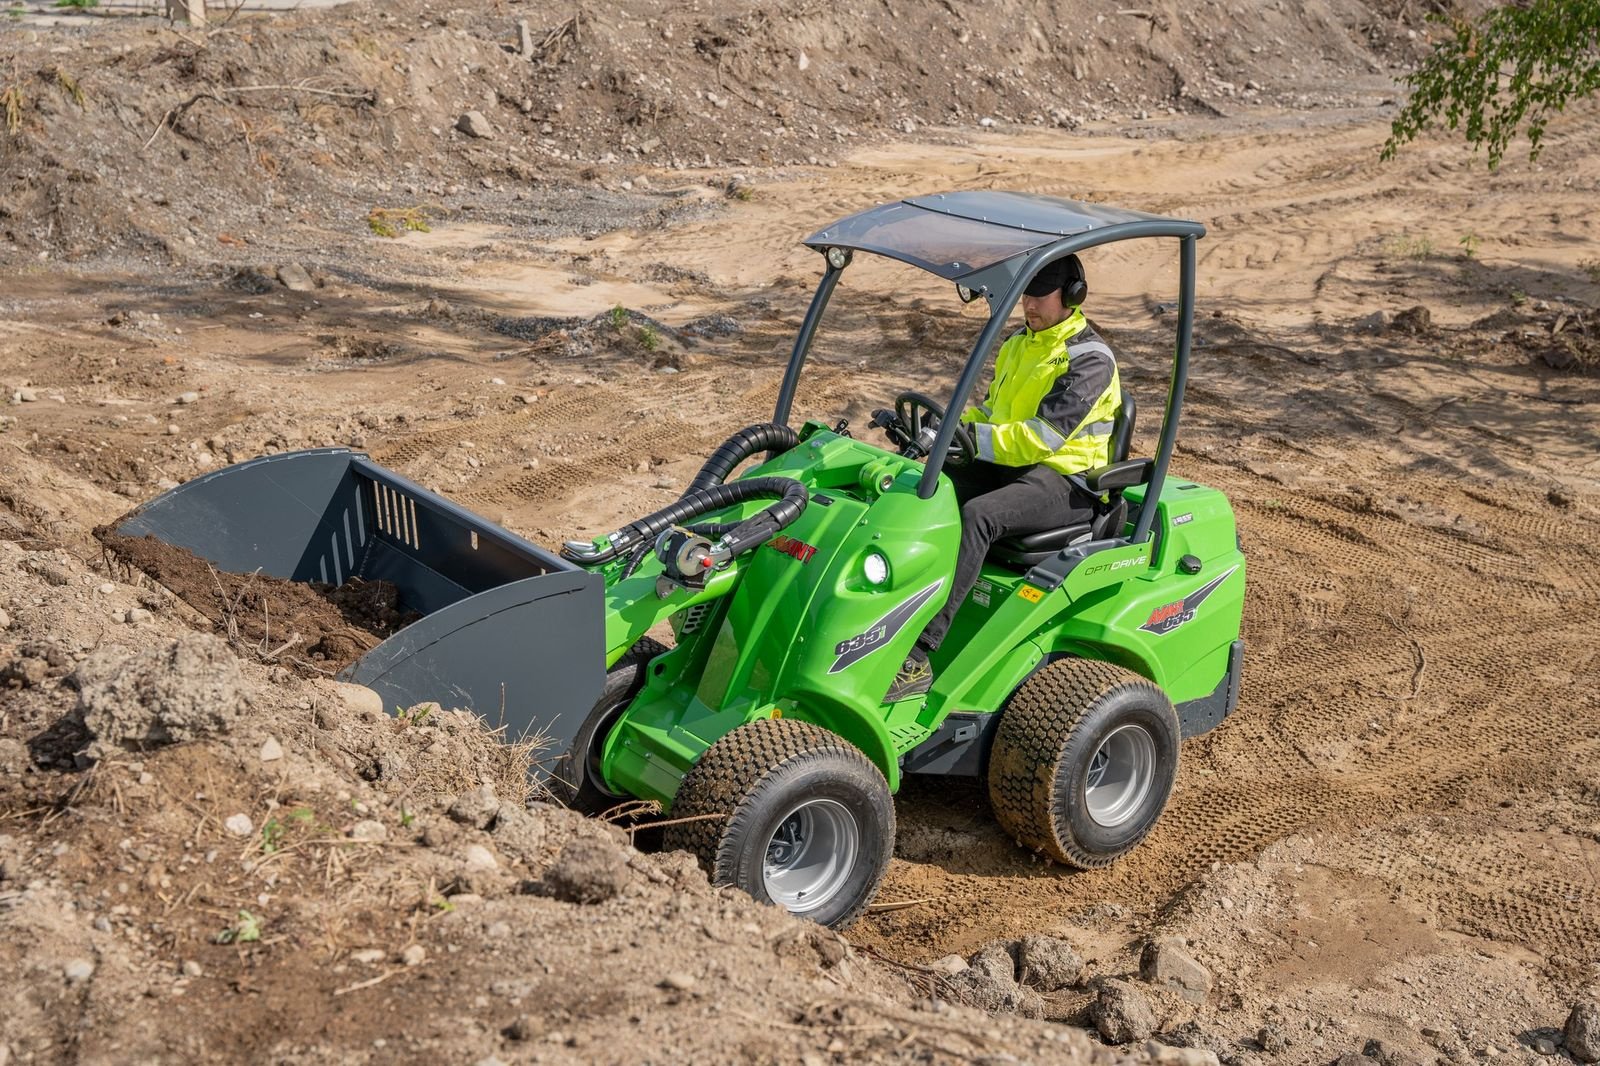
(761,437)
(791,502)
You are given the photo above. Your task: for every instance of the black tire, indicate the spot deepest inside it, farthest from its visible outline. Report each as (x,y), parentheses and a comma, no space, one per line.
(1045,752)
(576,781)
(780,776)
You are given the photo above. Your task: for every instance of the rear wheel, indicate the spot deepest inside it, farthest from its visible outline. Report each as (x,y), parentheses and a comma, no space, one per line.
(577,781)
(801,818)
(1083,762)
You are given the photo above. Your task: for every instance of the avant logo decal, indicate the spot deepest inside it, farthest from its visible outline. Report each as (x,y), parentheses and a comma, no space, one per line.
(797,549)
(1164,620)
(861,645)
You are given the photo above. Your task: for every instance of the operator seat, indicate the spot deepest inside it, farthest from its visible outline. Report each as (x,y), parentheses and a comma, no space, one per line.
(1025,550)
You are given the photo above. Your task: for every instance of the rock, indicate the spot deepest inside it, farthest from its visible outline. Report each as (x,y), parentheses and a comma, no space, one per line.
(995,962)
(587,871)
(519,834)
(1165,965)
(476,809)
(181,690)
(1271,1039)
(1416,319)
(473,124)
(1047,964)
(1582,1031)
(271,750)
(295,278)
(25,394)
(367,956)
(139,615)
(479,857)
(524,39)
(359,700)
(950,965)
(1543,1045)
(190,968)
(5,619)
(1180,1056)
(369,830)
(1376,322)
(1121,1013)
(187,397)
(678,981)
(239,825)
(79,970)
(989,982)
(414,955)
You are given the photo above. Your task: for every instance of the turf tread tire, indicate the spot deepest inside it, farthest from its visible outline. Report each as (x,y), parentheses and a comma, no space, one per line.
(1031,741)
(732,771)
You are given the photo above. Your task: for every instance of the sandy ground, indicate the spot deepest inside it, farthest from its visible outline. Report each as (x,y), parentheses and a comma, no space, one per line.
(1397,836)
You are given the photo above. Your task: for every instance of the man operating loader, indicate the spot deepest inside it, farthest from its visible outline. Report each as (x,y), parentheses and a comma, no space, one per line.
(1048,414)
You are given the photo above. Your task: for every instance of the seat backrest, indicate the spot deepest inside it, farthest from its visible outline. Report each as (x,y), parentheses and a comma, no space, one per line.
(1122,427)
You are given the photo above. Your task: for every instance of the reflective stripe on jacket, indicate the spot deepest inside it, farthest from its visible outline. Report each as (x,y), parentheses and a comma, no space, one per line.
(1054,400)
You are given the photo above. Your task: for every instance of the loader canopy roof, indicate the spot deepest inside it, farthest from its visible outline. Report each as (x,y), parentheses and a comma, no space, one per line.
(957,234)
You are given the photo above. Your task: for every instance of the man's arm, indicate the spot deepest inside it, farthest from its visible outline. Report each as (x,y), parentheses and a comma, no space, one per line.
(1061,412)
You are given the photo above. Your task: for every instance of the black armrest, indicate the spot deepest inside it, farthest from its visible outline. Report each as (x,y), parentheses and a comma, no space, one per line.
(1121,475)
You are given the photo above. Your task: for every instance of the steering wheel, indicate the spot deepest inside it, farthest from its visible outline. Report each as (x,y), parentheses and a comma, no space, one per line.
(917,412)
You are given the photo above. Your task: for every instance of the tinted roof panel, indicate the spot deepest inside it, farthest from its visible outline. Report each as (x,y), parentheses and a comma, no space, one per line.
(954,234)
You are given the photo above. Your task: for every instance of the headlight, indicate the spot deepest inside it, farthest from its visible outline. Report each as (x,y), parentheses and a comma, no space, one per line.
(876,567)
(838,258)
(966,294)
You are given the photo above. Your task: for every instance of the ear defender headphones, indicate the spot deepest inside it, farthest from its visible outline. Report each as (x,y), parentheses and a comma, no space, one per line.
(1075,286)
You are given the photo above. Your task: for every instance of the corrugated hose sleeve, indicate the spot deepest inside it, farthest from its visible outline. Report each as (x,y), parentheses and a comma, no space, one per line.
(792,499)
(763,436)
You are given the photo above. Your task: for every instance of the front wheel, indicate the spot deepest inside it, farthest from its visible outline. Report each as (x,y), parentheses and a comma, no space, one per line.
(577,780)
(792,814)
(1083,762)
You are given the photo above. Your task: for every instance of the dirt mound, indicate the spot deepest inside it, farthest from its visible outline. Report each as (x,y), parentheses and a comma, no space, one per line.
(281,865)
(194,146)
(319,629)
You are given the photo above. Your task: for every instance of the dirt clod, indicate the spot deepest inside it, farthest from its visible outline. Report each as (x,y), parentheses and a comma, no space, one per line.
(1122,1013)
(476,808)
(587,871)
(1047,964)
(1582,1031)
(24,671)
(184,689)
(1165,964)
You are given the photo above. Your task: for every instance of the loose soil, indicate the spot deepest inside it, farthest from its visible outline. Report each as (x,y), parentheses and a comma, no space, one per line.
(1397,835)
(320,628)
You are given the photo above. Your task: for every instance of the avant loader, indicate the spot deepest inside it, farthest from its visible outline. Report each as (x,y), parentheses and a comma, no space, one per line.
(793,591)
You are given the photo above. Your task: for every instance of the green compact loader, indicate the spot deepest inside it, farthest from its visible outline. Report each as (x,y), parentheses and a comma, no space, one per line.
(1079,661)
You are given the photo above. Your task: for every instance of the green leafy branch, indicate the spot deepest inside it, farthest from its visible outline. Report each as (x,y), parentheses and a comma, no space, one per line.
(1514,68)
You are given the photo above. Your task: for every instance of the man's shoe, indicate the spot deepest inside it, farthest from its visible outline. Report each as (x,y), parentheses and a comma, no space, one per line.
(915,677)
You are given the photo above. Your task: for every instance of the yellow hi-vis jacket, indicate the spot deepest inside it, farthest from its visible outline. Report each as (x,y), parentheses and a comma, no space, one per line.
(1054,399)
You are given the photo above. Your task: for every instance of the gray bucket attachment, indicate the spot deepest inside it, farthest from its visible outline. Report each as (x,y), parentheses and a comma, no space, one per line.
(509,630)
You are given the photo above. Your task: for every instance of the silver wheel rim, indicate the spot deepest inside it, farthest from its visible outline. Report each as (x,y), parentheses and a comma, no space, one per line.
(1121,774)
(810,855)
